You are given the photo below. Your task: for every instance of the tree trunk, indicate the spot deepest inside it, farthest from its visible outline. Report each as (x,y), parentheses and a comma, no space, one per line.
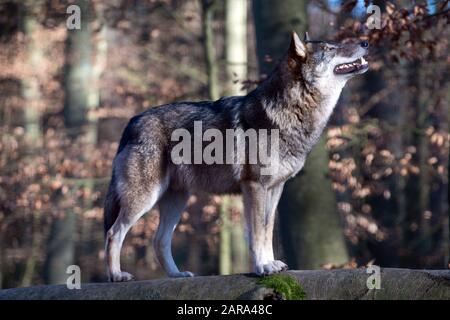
(274,22)
(239,247)
(208,9)
(2,227)
(33,254)
(236,45)
(225,258)
(311,232)
(446,226)
(311,229)
(339,284)
(390,117)
(98,67)
(31,91)
(60,249)
(78,73)
(236,67)
(81,95)
(416,229)
(93,102)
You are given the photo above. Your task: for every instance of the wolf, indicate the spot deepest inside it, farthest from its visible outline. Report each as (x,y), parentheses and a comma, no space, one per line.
(296,99)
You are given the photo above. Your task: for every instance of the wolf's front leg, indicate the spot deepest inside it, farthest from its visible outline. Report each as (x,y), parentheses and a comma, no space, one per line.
(272,199)
(255,196)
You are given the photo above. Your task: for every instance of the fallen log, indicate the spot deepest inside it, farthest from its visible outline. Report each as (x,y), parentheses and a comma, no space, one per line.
(313,284)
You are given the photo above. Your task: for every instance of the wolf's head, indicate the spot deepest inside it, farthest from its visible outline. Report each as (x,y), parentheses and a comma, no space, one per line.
(326,61)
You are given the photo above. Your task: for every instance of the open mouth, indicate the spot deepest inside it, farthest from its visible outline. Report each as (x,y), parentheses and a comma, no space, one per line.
(351,67)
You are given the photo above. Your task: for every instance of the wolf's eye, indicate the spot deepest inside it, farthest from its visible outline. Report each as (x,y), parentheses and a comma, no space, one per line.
(327,48)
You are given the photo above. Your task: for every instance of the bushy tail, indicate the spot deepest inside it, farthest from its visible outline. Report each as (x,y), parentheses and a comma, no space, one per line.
(112,206)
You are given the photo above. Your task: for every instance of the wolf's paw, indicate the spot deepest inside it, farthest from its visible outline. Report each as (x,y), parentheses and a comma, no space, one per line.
(280,265)
(259,270)
(270,267)
(121,277)
(266,269)
(181,274)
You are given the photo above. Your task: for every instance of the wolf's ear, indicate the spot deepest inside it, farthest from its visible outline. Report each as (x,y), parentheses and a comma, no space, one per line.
(297,47)
(306,38)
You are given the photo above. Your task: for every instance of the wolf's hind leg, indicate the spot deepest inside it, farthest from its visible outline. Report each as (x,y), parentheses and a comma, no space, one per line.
(130,212)
(171,207)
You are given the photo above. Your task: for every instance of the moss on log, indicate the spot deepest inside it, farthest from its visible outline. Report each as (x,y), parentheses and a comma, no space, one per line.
(317,284)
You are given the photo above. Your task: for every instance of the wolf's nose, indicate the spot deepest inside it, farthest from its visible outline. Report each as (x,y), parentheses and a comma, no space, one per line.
(364,44)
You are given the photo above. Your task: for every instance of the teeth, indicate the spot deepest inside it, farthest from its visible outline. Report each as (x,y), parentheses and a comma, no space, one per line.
(357,64)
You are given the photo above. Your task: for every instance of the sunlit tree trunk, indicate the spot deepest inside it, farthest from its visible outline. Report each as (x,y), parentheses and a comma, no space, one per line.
(236,45)
(208,10)
(310,227)
(236,68)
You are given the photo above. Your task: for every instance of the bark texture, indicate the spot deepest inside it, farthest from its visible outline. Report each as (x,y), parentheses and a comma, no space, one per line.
(317,284)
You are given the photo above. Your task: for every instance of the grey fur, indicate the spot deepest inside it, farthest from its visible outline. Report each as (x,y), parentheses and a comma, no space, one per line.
(297,99)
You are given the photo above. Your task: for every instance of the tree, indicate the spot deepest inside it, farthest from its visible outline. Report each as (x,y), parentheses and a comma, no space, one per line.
(274,21)
(60,248)
(30,84)
(79,97)
(31,93)
(236,68)
(310,228)
(236,45)
(208,9)
(78,73)
(100,50)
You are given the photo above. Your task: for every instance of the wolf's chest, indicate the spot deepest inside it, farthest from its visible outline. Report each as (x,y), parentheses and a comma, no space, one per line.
(295,147)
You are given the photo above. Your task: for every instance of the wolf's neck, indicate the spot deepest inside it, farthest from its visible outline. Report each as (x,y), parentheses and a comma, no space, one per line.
(305,106)
(330,92)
